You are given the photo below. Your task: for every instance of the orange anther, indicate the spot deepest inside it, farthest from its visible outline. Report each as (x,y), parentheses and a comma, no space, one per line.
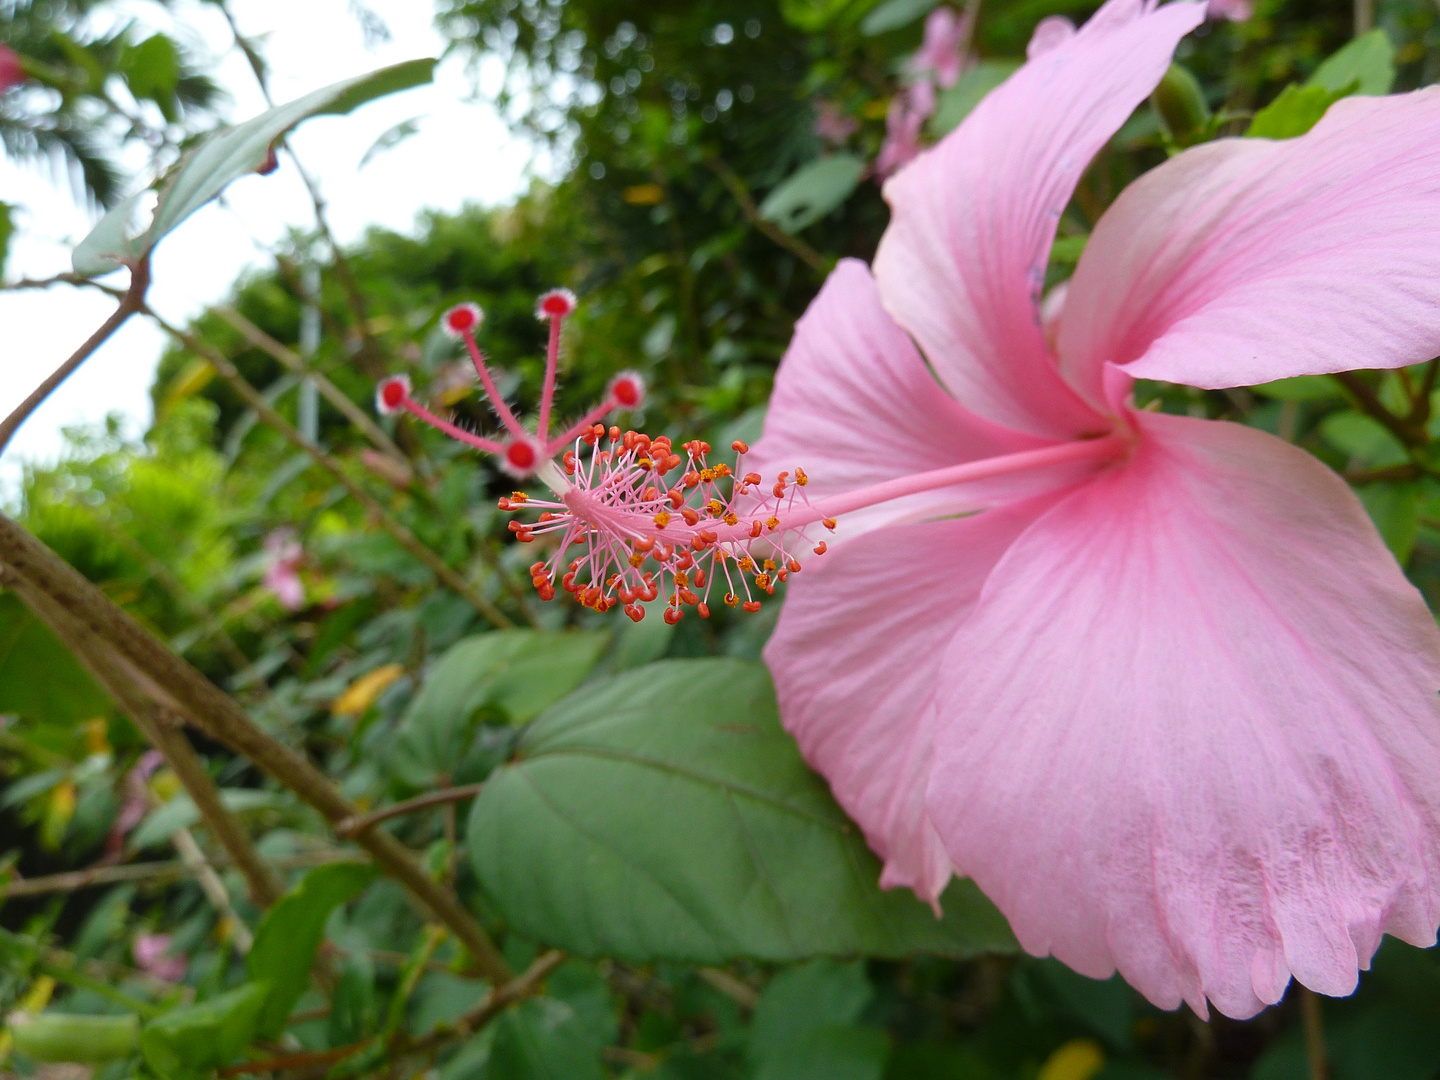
(699,579)
(739,447)
(829,523)
(708,475)
(768,564)
(690,479)
(730,519)
(546,515)
(503,504)
(731,599)
(672,461)
(746,563)
(644,543)
(751,605)
(752,478)
(673,615)
(709,536)
(635,611)
(763,580)
(722,470)
(793,565)
(676,497)
(772,522)
(820,548)
(716,507)
(519,497)
(698,542)
(650,492)
(688,597)
(662,519)
(614,434)
(690,516)
(800,477)
(756,529)
(779,489)
(703,611)
(682,581)
(684,562)
(636,559)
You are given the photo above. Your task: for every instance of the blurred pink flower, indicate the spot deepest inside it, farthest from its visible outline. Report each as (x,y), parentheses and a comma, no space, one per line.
(135,802)
(11,71)
(833,125)
(1234,10)
(1168,700)
(282,576)
(944,54)
(152,956)
(904,123)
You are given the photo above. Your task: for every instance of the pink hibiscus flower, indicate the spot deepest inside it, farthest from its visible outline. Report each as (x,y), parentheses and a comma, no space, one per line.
(12,73)
(1167,698)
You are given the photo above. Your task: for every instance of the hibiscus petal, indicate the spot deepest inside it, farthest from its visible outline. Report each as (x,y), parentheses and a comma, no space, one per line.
(964,258)
(1247,260)
(854,404)
(855,657)
(1191,728)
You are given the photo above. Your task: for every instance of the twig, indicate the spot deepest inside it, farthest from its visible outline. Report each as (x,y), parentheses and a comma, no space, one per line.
(293,1061)
(493,1003)
(1390,472)
(168,870)
(1364,16)
(364,822)
(133,301)
(220,716)
(399,532)
(743,994)
(1314,1034)
(69,277)
(793,244)
(120,681)
(328,390)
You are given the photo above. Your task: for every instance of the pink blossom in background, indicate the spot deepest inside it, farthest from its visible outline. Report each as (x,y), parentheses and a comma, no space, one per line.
(833,125)
(944,53)
(1234,10)
(904,123)
(1169,700)
(11,71)
(134,804)
(152,956)
(282,575)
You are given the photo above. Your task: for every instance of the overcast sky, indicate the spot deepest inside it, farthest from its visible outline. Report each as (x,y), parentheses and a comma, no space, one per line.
(462,153)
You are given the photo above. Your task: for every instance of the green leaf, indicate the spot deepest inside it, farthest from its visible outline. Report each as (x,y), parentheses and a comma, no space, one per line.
(1369,443)
(812,16)
(63,1037)
(1105,1006)
(1294,112)
(665,814)
(893,14)
(39,679)
(812,191)
(545,1039)
(181,813)
(1301,388)
(516,672)
(152,68)
(227,155)
(290,934)
(1395,509)
(194,1039)
(1367,62)
(805,1025)
(836,1053)
(7,230)
(958,102)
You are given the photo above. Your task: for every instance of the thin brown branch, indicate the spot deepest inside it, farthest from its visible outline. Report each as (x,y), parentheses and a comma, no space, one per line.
(120,681)
(793,244)
(1390,472)
(328,390)
(153,872)
(399,532)
(1368,401)
(221,717)
(365,822)
(742,993)
(495,1002)
(67,278)
(133,301)
(293,1061)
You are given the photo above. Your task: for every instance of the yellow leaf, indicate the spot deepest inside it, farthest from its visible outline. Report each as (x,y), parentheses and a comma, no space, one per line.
(96,736)
(644,195)
(193,378)
(361,693)
(166,785)
(34,1001)
(1078,1059)
(59,809)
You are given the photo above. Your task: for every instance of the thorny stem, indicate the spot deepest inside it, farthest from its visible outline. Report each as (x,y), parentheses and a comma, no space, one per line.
(399,532)
(190,694)
(132,302)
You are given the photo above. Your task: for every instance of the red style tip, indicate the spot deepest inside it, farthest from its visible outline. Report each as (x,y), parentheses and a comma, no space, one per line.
(462,319)
(555,304)
(521,457)
(390,395)
(627,390)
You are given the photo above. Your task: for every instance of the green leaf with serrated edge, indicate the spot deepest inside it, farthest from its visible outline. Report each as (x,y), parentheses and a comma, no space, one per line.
(83,1039)
(516,672)
(666,815)
(227,155)
(193,1039)
(39,679)
(812,191)
(959,101)
(1367,62)
(893,14)
(290,934)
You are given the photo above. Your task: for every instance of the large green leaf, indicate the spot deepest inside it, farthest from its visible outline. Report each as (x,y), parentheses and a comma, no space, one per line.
(812,191)
(65,1037)
(1367,63)
(665,814)
(517,673)
(192,1040)
(286,942)
(806,1025)
(226,155)
(39,679)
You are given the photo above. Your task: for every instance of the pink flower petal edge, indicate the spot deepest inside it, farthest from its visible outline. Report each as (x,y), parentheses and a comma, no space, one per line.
(1191,728)
(963,261)
(1247,260)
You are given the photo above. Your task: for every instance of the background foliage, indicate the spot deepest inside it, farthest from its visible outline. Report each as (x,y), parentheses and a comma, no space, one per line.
(641,807)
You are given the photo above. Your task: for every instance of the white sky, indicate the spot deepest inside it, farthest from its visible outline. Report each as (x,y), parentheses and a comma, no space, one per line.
(463,153)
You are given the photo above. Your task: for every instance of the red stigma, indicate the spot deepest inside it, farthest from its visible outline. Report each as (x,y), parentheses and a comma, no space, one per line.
(555,304)
(520,457)
(390,395)
(462,319)
(627,390)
